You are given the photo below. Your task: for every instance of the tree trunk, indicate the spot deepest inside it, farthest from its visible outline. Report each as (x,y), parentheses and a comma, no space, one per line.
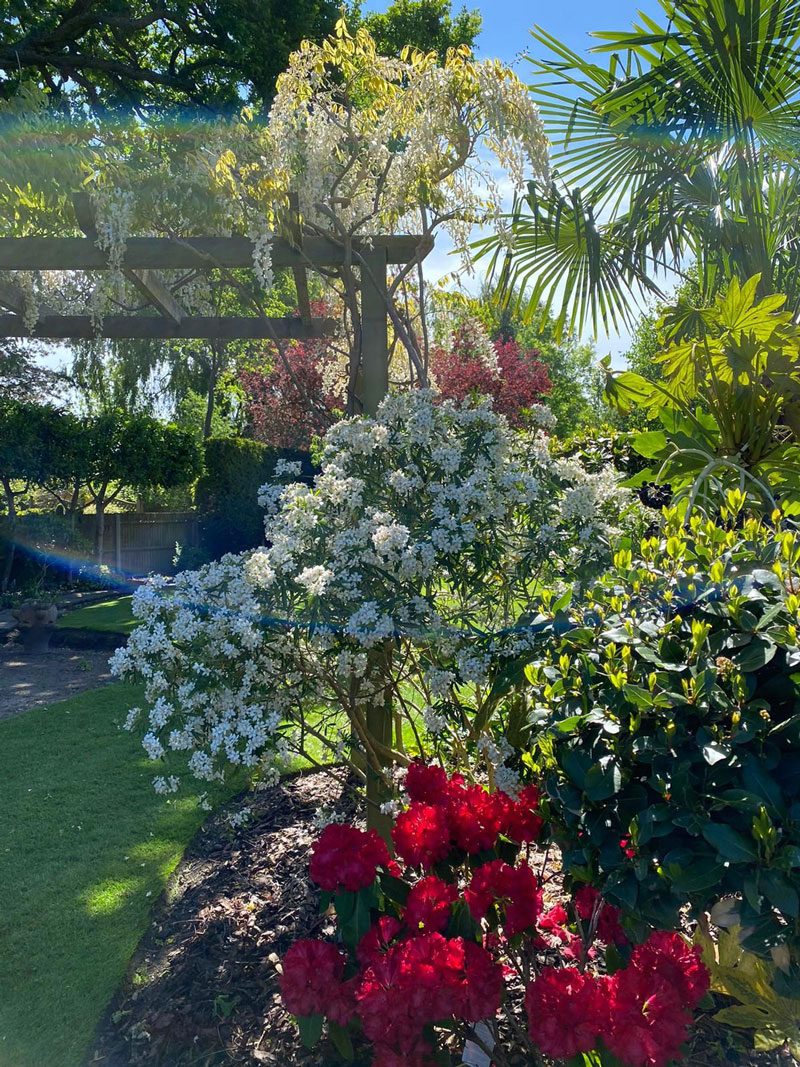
(99,528)
(12,546)
(379,721)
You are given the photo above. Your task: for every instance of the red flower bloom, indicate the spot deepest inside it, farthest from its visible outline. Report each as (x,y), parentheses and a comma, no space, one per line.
(378,939)
(515,889)
(311,976)
(608,929)
(426,783)
(419,981)
(428,906)
(418,1056)
(484,984)
(523,900)
(647,1021)
(347,858)
(421,835)
(521,821)
(475,817)
(553,922)
(565,1012)
(485,888)
(668,956)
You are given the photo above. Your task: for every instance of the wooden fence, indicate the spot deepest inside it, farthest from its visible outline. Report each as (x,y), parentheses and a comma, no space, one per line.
(138,543)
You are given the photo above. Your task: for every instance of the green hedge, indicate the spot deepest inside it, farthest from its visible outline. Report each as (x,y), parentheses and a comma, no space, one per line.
(227,495)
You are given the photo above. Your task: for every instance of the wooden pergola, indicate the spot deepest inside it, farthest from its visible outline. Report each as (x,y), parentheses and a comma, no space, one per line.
(145,257)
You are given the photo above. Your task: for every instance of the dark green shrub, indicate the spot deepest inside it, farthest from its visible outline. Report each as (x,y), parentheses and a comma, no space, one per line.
(226,497)
(666,725)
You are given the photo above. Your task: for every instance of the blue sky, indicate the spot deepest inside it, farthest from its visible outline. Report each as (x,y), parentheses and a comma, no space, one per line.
(505,35)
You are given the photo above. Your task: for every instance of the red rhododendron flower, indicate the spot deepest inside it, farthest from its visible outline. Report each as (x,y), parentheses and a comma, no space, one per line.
(608,928)
(347,858)
(521,821)
(485,887)
(419,981)
(484,984)
(428,906)
(426,783)
(418,1056)
(647,1021)
(378,939)
(515,889)
(312,971)
(565,1012)
(475,817)
(523,899)
(680,964)
(341,1005)
(554,922)
(421,835)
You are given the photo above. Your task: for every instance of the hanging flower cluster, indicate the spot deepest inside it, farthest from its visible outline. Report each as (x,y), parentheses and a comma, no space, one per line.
(415,553)
(461,936)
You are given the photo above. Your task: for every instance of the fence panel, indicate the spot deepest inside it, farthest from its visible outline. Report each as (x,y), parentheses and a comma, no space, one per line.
(137,543)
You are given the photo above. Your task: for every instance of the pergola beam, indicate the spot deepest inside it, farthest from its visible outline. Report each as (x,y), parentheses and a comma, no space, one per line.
(147,282)
(165,253)
(157,328)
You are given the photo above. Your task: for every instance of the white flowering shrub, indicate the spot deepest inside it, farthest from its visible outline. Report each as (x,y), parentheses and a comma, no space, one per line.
(408,568)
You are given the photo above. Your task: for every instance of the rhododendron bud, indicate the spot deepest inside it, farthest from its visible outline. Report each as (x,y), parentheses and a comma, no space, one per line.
(565,1012)
(426,783)
(311,975)
(421,835)
(680,964)
(377,940)
(521,821)
(347,858)
(647,1021)
(428,906)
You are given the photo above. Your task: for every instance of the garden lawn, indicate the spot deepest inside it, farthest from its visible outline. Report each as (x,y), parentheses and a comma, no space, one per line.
(109,616)
(86,846)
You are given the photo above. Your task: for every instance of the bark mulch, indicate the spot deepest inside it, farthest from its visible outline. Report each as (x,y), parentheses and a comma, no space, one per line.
(202,988)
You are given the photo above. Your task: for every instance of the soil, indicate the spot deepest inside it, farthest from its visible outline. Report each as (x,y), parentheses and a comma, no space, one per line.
(202,988)
(27,681)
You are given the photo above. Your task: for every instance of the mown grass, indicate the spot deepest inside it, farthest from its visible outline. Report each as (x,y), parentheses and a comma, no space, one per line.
(109,616)
(86,846)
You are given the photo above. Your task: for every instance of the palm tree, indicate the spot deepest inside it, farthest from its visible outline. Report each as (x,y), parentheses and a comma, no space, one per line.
(682,149)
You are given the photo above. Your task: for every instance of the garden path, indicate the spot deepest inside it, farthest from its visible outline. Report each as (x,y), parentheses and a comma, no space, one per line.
(27,681)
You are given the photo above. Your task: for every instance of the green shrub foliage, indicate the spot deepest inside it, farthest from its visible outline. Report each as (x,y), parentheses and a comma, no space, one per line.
(226,497)
(666,724)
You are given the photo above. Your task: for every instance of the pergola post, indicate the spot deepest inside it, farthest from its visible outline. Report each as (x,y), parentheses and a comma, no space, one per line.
(374,330)
(374,383)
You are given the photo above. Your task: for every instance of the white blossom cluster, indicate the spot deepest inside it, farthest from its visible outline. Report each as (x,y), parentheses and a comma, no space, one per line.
(418,543)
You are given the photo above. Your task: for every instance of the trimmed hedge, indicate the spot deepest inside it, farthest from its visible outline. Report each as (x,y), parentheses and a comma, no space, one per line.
(226,496)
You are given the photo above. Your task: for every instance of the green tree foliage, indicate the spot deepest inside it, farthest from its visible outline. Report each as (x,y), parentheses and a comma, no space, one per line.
(133,53)
(428,25)
(227,494)
(116,450)
(681,148)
